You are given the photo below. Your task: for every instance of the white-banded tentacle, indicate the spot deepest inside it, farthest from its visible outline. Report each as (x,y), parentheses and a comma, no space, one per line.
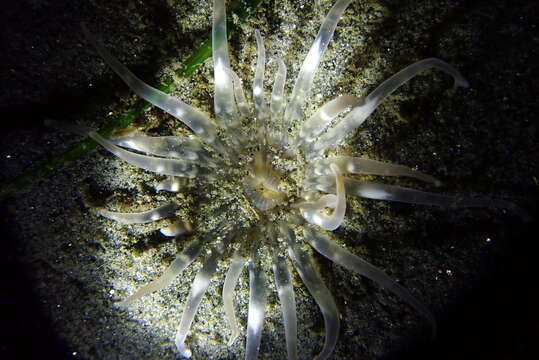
(257,306)
(198,289)
(354,165)
(339,255)
(361,112)
(315,212)
(317,123)
(261,108)
(143,217)
(177,147)
(278,100)
(225,107)
(277,105)
(232,276)
(179,264)
(173,167)
(239,94)
(283,282)
(258,81)
(233,132)
(162,145)
(193,118)
(370,190)
(294,109)
(304,265)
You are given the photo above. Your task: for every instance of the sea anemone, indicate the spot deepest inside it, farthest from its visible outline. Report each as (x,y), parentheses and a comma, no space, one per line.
(267,185)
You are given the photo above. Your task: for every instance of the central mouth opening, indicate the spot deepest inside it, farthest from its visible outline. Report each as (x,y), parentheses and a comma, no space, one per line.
(262,185)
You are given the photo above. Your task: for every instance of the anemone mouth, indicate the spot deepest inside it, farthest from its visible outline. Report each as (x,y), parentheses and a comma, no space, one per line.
(262,186)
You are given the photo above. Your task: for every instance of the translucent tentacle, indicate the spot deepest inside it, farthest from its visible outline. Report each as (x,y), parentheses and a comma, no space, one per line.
(143,217)
(225,109)
(173,167)
(316,214)
(232,276)
(239,94)
(321,294)
(376,191)
(353,165)
(306,74)
(323,117)
(362,111)
(257,305)
(170,146)
(179,264)
(277,106)
(285,291)
(194,119)
(325,201)
(277,94)
(321,243)
(171,183)
(258,83)
(199,287)
(167,146)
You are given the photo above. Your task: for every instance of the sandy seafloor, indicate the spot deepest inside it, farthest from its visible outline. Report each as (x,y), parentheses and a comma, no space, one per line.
(65,267)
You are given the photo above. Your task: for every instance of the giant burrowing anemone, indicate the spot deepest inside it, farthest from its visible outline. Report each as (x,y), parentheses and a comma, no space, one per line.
(272,183)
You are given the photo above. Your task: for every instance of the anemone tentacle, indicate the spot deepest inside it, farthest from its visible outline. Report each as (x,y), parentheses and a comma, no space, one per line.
(321,294)
(193,118)
(353,165)
(232,276)
(285,291)
(305,77)
(165,166)
(182,261)
(257,306)
(325,246)
(200,285)
(277,106)
(143,217)
(178,147)
(362,111)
